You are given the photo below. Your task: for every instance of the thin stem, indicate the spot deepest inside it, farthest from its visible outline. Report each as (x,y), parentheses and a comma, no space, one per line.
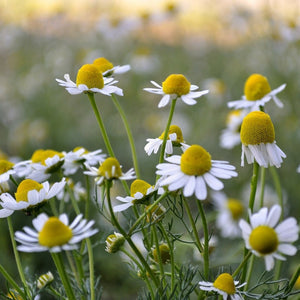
(262,186)
(238,269)
(17,257)
(254,180)
(91,268)
(101,125)
(250,269)
(293,279)
(129,134)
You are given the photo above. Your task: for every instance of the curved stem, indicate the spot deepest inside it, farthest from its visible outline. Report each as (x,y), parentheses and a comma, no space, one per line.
(129,135)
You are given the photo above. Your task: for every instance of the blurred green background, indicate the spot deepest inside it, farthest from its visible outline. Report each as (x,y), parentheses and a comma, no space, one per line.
(216,45)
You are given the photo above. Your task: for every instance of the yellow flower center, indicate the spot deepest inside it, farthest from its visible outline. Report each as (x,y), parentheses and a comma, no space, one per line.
(257,127)
(54,233)
(139,185)
(232,114)
(102,64)
(90,76)
(225,283)
(40,155)
(256,87)
(110,168)
(264,239)
(195,161)
(174,129)
(12,294)
(5,166)
(236,208)
(176,84)
(24,187)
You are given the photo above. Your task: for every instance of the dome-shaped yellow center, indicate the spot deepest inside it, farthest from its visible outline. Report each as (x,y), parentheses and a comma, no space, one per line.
(257,127)
(225,283)
(24,187)
(264,239)
(110,168)
(54,233)
(139,185)
(176,84)
(256,87)
(195,161)
(90,76)
(40,155)
(5,166)
(236,208)
(102,64)
(174,129)
(164,252)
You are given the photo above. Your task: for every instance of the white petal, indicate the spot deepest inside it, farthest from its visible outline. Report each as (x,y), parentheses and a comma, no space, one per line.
(287,249)
(164,101)
(269,261)
(189,187)
(273,216)
(213,182)
(122,207)
(200,190)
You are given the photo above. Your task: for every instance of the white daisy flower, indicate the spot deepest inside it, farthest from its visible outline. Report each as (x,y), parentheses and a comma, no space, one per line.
(6,170)
(107,68)
(54,234)
(30,195)
(73,160)
(78,191)
(90,79)
(266,237)
(230,211)
(193,170)
(176,86)
(224,285)
(258,141)
(298,169)
(140,191)
(257,93)
(175,138)
(109,169)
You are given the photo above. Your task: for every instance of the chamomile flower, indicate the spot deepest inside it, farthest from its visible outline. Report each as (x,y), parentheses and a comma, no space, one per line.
(6,170)
(90,80)
(230,211)
(176,86)
(44,280)
(140,191)
(224,285)
(73,160)
(175,138)
(114,242)
(30,195)
(109,169)
(258,140)
(77,191)
(266,237)
(54,234)
(193,171)
(257,92)
(107,68)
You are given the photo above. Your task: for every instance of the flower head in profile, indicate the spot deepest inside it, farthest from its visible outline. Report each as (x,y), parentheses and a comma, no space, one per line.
(6,170)
(176,86)
(140,192)
(45,280)
(54,234)
(266,237)
(224,285)
(258,140)
(90,80)
(175,138)
(110,169)
(107,68)
(257,92)
(193,171)
(29,197)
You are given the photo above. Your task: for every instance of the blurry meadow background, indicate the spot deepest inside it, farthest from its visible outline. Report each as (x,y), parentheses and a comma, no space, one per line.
(215,44)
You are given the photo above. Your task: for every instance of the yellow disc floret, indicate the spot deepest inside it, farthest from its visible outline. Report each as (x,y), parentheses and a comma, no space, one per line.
(176,84)
(102,64)
(90,76)
(256,87)
(195,161)
(236,208)
(54,233)
(139,185)
(263,239)
(24,187)
(5,166)
(174,129)
(164,252)
(225,283)
(40,155)
(110,168)
(257,127)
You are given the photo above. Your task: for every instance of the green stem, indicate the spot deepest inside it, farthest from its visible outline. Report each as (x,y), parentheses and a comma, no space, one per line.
(253,185)
(73,200)
(17,257)
(293,280)
(249,272)
(91,268)
(129,134)
(206,239)
(101,125)
(160,263)
(87,201)
(262,186)
(238,269)
(63,275)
